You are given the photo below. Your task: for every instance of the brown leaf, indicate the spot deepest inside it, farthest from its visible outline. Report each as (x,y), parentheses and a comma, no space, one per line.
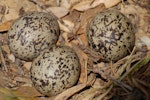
(58,11)
(27,91)
(110,3)
(20,94)
(22,79)
(85,19)
(88,94)
(67,3)
(84,5)
(83,61)
(3,77)
(5,26)
(88,4)
(27,65)
(69,92)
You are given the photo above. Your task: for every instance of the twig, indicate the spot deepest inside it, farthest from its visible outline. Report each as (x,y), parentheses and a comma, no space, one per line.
(100,97)
(136,66)
(3,60)
(119,72)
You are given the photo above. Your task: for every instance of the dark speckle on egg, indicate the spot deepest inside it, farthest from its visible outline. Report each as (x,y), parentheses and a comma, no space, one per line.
(32,33)
(55,70)
(111,35)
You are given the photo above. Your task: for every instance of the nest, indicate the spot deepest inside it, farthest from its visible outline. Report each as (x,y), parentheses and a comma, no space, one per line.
(126,79)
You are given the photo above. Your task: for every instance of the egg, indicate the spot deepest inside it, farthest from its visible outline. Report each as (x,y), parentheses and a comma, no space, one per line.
(55,70)
(111,35)
(32,33)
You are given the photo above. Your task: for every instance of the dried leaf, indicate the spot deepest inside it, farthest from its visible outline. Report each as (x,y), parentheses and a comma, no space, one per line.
(67,3)
(87,94)
(66,26)
(83,62)
(13,8)
(25,80)
(145,40)
(5,26)
(3,82)
(69,92)
(27,65)
(27,91)
(85,19)
(17,95)
(84,5)
(11,57)
(88,4)
(58,11)
(43,3)
(110,3)
(6,49)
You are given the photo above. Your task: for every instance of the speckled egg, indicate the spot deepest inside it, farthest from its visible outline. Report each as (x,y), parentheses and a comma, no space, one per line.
(55,70)
(32,33)
(111,35)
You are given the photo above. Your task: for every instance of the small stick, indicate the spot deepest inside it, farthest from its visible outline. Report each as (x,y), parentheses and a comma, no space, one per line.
(3,60)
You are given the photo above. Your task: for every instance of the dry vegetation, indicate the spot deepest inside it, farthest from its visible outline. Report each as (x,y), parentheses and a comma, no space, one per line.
(127,79)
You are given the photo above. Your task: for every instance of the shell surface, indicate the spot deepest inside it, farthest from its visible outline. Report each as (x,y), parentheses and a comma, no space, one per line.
(111,35)
(32,33)
(55,70)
